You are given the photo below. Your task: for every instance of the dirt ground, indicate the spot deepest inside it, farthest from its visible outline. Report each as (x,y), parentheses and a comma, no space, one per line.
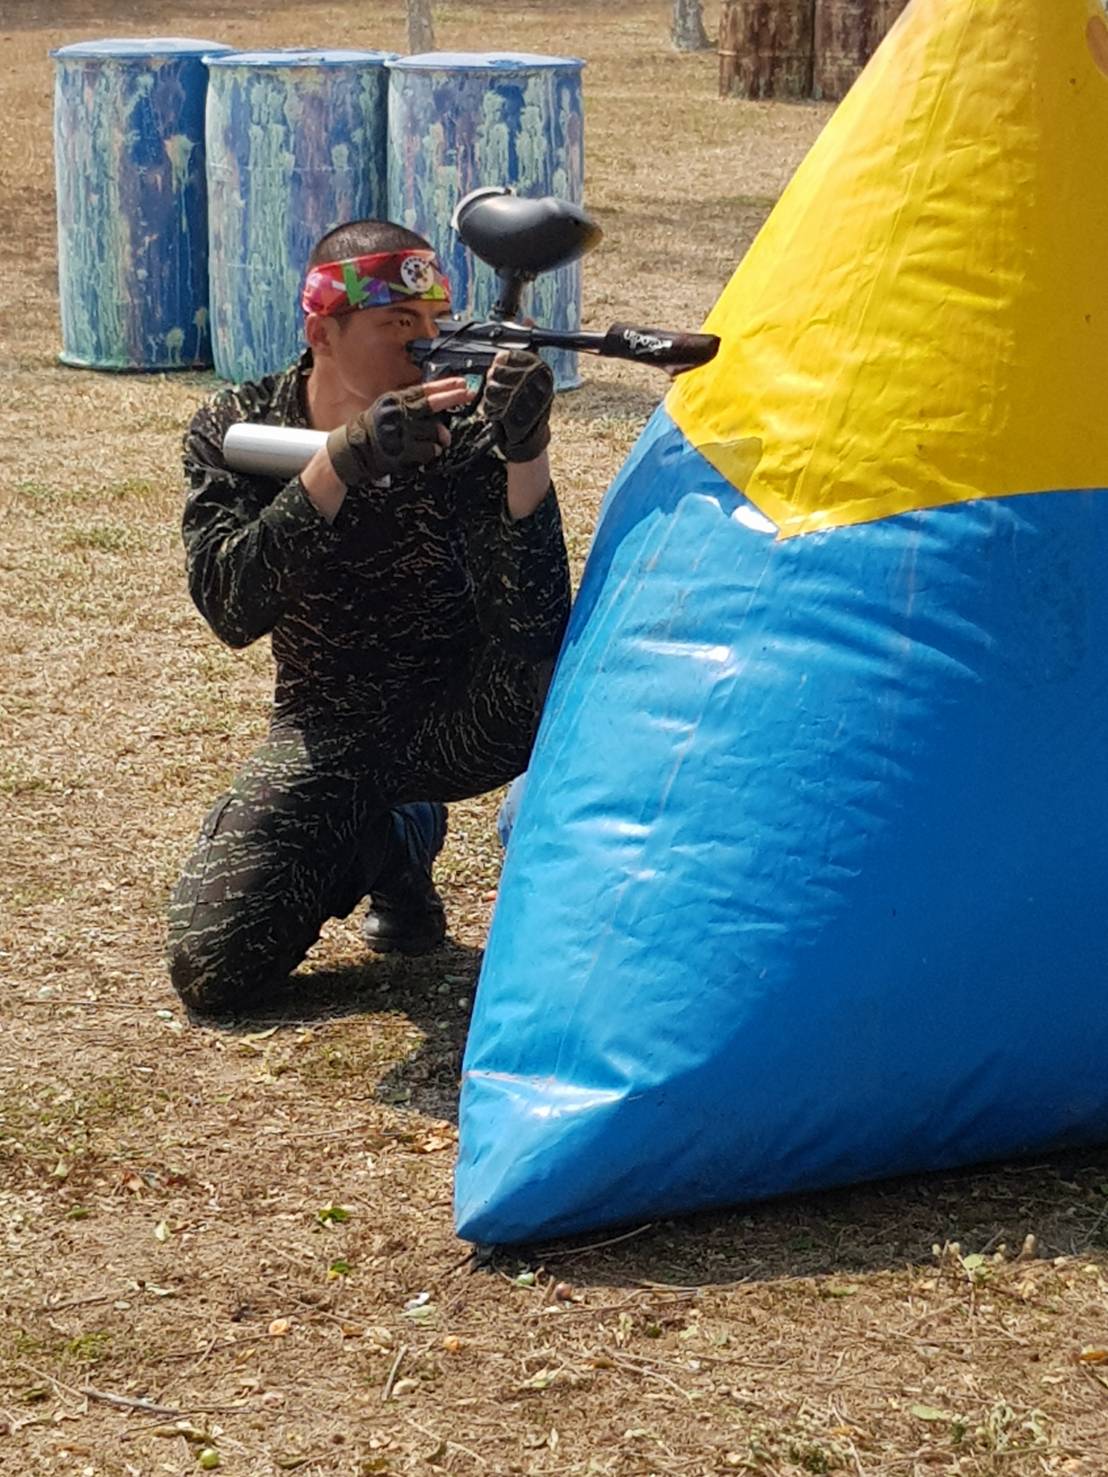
(239,1241)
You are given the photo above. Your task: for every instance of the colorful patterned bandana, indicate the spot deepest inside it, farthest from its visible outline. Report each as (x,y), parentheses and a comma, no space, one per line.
(375,282)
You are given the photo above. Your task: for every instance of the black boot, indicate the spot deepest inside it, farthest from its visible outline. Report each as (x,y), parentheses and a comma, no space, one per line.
(406,914)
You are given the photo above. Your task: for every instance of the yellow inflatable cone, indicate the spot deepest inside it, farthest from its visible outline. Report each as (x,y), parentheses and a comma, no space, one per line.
(924,318)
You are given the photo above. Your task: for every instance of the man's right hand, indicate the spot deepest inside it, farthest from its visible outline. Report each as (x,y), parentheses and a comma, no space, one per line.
(398,430)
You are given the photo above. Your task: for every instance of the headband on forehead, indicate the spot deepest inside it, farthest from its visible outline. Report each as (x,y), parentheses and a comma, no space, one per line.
(375,282)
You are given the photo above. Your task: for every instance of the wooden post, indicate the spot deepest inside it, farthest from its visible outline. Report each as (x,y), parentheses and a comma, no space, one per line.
(765,48)
(421,26)
(687,30)
(847,33)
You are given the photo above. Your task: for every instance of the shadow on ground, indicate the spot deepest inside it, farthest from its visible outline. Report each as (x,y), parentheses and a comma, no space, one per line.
(434,992)
(1062,1202)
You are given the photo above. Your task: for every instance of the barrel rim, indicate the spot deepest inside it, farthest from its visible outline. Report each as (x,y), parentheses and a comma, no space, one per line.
(482,61)
(140,47)
(298,56)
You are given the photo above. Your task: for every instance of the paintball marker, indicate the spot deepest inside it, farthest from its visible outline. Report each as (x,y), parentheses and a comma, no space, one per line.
(519,238)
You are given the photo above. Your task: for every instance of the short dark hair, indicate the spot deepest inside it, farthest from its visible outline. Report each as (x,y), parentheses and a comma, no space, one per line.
(363,238)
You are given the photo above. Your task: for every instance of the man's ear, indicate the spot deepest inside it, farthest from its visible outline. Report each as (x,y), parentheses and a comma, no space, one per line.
(319,330)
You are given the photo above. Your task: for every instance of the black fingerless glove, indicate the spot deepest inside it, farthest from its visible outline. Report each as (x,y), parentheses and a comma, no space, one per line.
(398,430)
(518,395)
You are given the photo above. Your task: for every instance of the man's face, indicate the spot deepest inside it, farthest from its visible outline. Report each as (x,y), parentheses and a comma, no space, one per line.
(369,346)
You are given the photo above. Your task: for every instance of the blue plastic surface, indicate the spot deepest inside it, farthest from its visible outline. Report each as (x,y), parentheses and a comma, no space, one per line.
(296,146)
(807,886)
(459,121)
(131,202)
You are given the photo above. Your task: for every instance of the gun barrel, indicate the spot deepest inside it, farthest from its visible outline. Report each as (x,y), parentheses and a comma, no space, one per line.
(471,347)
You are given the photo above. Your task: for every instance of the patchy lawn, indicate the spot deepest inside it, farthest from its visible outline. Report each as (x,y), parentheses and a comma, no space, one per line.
(240,1241)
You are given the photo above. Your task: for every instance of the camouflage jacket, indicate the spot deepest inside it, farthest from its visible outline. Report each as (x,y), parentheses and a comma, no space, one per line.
(381,609)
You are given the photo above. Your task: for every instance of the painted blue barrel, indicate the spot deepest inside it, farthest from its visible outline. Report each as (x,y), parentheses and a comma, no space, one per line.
(132,207)
(461,120)
(296,145)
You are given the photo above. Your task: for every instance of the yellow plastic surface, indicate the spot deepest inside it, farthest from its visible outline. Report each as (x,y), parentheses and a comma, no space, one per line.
(923,319)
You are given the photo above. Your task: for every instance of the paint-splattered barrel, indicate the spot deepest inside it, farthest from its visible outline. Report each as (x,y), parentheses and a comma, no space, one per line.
(132,211)
(460,120)
(296,145)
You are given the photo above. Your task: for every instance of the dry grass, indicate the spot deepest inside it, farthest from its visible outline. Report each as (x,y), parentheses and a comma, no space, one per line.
(166,1192)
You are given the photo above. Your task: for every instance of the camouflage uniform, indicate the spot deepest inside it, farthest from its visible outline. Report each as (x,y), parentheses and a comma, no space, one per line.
(411,638)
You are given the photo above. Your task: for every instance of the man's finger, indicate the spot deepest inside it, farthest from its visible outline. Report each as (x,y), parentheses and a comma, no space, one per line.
(447,382)
(440,400)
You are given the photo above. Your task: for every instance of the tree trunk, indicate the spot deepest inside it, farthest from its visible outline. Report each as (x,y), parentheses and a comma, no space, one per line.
(421,27)
(847,33)
(687,30)
(765,48)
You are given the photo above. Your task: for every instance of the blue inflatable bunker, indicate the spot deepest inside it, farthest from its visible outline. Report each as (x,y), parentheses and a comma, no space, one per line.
(809,880)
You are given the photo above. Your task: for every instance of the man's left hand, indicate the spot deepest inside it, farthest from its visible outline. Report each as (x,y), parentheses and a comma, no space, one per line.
(519,391)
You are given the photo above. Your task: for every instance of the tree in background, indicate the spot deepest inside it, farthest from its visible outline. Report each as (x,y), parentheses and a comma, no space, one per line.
(798,48)
(687,30)
(421,27)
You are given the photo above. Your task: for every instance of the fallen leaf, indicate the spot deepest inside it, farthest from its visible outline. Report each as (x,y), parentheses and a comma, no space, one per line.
(929,1413)
(419,1314)
(333,1215)
(541,1380)
(182,1428)
(252,1036)
(433,1143)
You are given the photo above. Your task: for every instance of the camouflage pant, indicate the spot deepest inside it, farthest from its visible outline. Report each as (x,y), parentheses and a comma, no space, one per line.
(301,834)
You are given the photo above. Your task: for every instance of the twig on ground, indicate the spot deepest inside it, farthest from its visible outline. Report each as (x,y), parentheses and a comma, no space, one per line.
(86,1393)
(633,1365)
(88,1004)
(104,1297)
(386,1393)
(212,1348)
(128,1402)
(327,1133)
(40,1374)
(569,1309)
(595,1245)
(447,1441)
(150,1407)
